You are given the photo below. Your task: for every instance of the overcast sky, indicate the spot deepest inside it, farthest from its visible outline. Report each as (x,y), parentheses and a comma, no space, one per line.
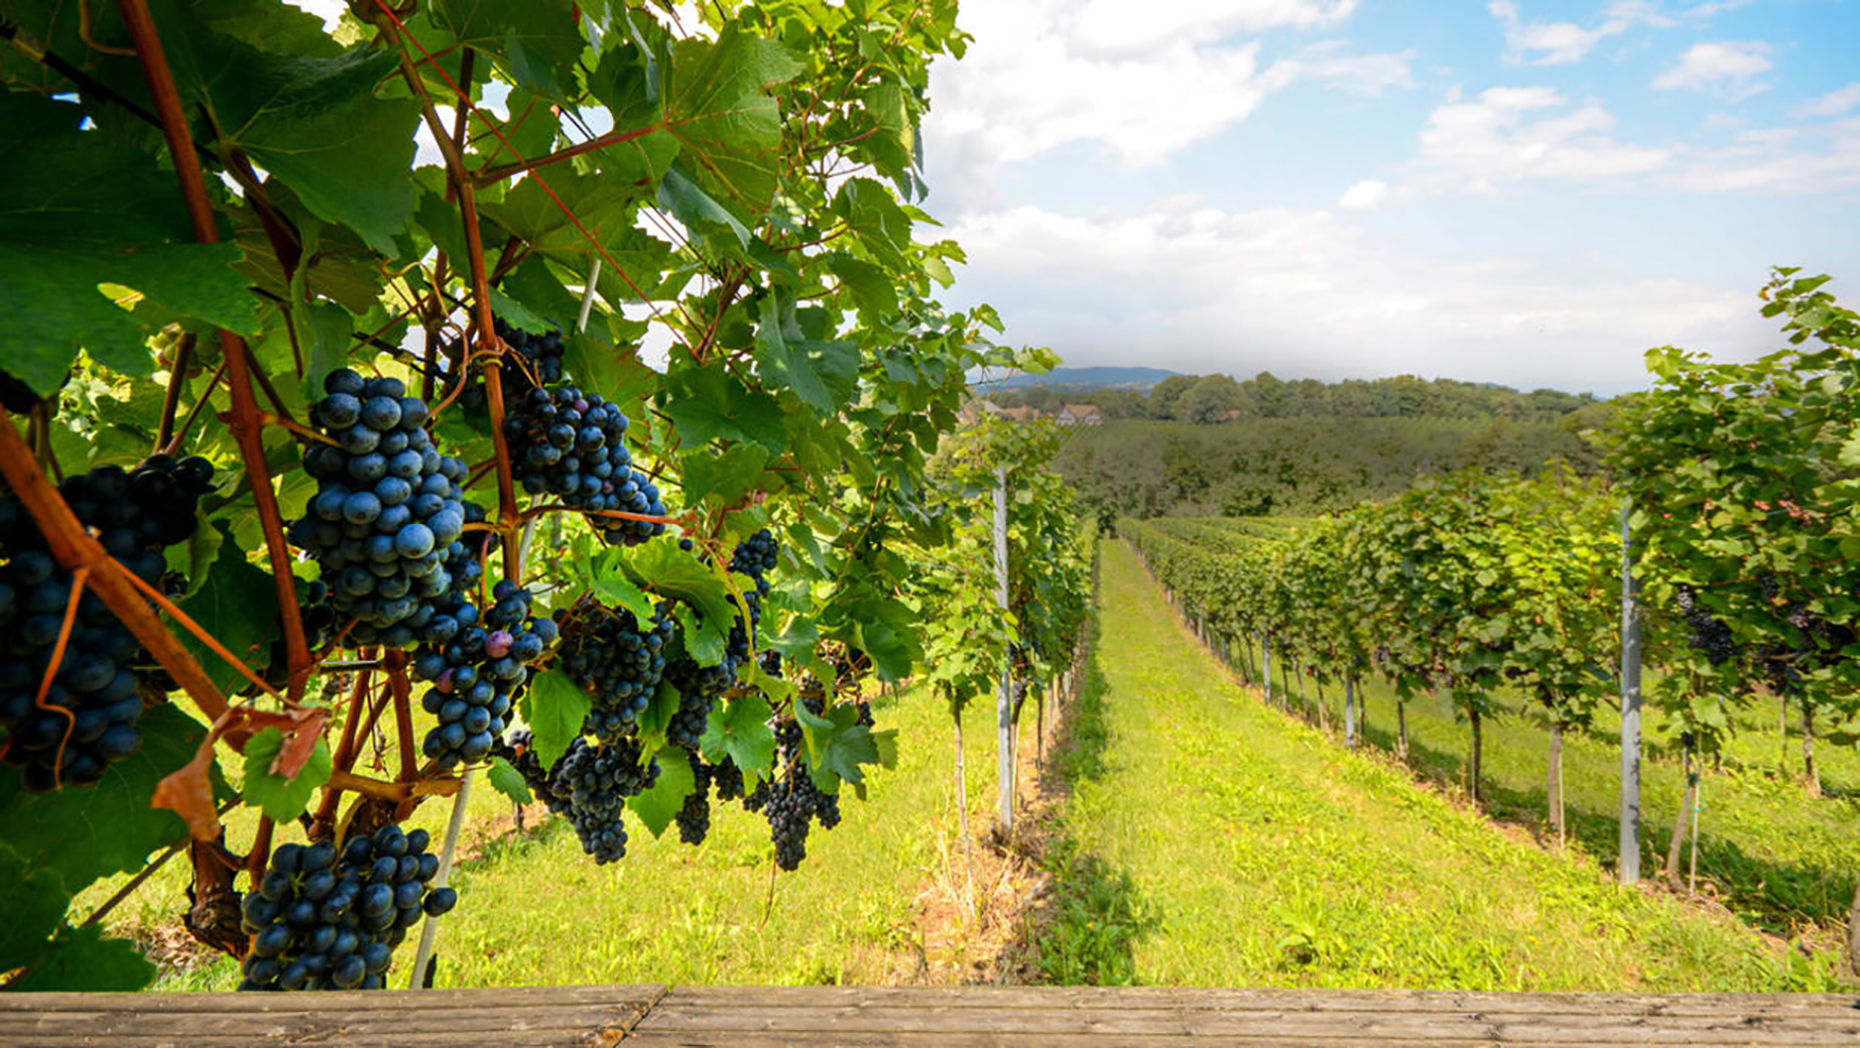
(1522,192)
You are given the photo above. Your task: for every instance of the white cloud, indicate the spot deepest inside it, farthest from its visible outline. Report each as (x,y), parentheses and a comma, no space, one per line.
(1328,63)
(1560,43)
(1706,10)
(1834,103)
(1126,27)
(1793,160)
(1726,68)
(1363,195)
(1312,293)
(1511,134)
(1138,79)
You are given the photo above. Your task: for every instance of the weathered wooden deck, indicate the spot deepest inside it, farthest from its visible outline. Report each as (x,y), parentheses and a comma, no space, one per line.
(751,1017)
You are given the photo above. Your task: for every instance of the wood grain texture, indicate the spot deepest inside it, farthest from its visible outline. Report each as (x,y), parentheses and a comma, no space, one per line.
(858,1017)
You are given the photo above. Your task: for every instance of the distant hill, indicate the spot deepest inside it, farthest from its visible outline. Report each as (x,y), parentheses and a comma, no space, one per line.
(1090,378)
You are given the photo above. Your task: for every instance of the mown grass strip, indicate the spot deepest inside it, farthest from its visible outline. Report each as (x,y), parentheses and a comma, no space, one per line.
(1209,840)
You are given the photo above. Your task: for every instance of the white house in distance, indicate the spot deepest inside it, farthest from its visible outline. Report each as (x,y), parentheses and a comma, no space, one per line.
(1079,415)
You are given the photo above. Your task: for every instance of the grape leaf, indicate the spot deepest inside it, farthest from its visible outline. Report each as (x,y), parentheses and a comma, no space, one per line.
(238,606)
(739,729)
(554,708)
(669,571)
(657,716)
(86,832)
(822,374)
(82,210)
(656,806)
(542,32)
(613,588)
(508,781)
(703,637)
(281,798)
(870,286)
(31,909)
(721,113)
(706,403)
(83,959)
(724,478)
(316,124)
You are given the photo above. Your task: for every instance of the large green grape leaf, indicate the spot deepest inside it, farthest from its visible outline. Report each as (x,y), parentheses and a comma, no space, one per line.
(603,207)
(669,571)
(554,707)
(315,124)
(79,212)
(86,832)
(238,606)
(739,730)
(723,478)
(823,374)
(534,37)
(656,807)
(84,959)
(706,403)
(31,909)
(721,113)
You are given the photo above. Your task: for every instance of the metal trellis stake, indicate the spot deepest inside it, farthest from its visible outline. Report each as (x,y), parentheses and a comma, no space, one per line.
(1004,701)
(1628,865)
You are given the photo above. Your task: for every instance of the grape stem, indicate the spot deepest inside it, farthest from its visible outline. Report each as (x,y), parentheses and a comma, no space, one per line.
(141,27)
(439,786)
(171,400)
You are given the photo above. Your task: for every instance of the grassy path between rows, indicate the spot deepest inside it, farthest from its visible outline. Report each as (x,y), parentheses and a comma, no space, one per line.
(1209,840)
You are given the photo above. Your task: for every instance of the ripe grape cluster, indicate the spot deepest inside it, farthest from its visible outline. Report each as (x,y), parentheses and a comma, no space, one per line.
(386,522)
(791,801)
(590,786)
(1710,634)
(694,817)
(328,920)
(87,719)
(541,364)
(574,447)
(617,660)
(699,687)
(477,670)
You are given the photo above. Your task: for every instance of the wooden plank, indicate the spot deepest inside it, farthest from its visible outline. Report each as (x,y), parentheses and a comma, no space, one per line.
(339,1000)
(581,1038)
(321,1022)
(1832,1005)
(1067,1017)
(671,1016)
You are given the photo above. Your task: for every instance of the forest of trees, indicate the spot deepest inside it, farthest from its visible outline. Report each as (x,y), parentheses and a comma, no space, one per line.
(1300,466)
(1215,398)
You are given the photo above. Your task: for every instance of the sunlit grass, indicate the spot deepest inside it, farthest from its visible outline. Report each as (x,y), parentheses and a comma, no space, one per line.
(1227,844)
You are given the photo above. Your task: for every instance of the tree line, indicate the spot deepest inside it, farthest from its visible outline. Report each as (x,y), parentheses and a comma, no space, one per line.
(1215,398)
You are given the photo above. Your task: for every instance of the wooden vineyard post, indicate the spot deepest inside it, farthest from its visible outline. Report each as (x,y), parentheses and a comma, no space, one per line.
(1004,700)
(1628,864)
(1265,658)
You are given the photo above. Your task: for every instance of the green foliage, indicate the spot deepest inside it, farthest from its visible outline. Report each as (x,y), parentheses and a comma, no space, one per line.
(758,200)
(1743,482)
(281,798)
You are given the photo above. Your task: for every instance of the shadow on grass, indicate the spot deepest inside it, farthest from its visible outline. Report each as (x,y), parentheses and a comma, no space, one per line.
(1086,924)
(1775,897)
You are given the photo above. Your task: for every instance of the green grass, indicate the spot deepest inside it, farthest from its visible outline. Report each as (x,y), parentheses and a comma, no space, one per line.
(534,910)
(1780,859)
(1209,840)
